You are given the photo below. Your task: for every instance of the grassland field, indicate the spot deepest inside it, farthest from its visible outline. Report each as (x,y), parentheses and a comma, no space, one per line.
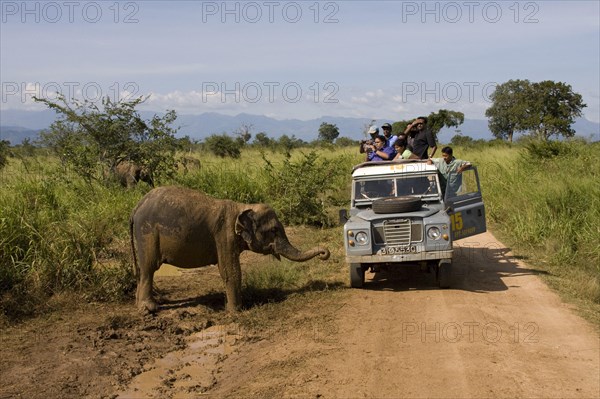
(60,233)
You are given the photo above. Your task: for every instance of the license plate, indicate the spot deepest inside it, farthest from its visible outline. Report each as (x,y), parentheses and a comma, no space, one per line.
(398,250)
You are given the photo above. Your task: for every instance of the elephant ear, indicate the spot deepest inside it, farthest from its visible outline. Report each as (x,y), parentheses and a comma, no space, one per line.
(244,225)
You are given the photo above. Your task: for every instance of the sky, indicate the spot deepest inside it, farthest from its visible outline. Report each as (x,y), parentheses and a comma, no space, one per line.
(390,60)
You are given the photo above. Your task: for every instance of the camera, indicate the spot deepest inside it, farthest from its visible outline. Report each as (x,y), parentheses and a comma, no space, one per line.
(365,145)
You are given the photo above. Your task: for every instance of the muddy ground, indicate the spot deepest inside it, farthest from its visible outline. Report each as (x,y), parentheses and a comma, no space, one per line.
(499,332)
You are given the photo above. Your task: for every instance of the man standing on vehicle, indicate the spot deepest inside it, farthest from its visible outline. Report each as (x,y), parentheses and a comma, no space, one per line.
(422,138)
(387,132)
(450,170)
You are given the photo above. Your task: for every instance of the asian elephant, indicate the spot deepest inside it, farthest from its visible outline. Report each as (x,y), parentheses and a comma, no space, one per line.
(189,229)
(129,174)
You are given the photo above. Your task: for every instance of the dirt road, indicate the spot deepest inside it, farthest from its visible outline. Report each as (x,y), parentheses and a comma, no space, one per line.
(500,332)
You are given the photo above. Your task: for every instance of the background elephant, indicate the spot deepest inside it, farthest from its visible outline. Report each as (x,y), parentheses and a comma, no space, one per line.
(129,174)
(188,229)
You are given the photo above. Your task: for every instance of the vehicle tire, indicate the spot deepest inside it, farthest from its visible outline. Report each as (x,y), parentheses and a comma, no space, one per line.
(444,274)
(396,205)
(357,275)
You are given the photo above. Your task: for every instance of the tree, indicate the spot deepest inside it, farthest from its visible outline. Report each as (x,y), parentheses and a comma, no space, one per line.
(399,127)
(223,146)
(262,140)
(345,142)
(444,118)
(509,110)
(459,139)
(554,107)
(289,143)
(87,136)
(545,108)
(435,121)
(243,134)
(328,132)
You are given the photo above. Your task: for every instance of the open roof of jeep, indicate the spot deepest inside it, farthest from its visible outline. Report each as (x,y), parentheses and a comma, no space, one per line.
(392,167)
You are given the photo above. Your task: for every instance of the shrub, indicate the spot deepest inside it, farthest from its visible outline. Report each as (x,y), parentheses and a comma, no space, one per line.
(537,149)
(297,189)
(223,146)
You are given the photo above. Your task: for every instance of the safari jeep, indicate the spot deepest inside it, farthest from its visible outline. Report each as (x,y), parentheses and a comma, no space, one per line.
(400,215)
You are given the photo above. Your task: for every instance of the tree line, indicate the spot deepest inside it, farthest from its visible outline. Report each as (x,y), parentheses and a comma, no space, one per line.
(93,138)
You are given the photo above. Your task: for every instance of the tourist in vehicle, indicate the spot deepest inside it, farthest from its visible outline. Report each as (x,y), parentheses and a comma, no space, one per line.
(402,151)
(450,169)
(421,138)
(365,144)
(387,132)
(379,151)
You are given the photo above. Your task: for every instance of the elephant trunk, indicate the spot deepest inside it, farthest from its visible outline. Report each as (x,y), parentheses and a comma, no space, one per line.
(287,250)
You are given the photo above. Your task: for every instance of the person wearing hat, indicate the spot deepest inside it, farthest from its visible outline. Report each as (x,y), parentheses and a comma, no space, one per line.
(365,145)
(387,132)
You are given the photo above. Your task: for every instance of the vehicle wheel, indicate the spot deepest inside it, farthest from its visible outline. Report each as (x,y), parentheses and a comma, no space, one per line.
(444,274)
(357,275)
(396,205)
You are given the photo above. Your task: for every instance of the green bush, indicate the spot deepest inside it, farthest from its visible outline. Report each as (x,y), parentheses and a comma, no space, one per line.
(297,189)
(536,149)
(223,146)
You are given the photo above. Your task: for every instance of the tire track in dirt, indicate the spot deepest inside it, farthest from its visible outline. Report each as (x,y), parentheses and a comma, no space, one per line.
(500,332)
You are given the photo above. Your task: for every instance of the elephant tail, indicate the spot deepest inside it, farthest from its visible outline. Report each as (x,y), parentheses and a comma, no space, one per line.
(136,267)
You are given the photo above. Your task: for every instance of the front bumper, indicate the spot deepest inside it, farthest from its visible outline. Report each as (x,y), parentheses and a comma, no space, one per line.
(399,258)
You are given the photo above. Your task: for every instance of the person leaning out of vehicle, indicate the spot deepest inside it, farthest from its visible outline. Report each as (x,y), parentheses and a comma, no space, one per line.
(380,151)
(448,165)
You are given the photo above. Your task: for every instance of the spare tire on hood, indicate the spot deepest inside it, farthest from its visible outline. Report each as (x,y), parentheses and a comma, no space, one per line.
(396,205)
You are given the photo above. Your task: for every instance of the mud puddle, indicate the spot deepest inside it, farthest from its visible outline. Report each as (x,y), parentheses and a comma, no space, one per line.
(185,373)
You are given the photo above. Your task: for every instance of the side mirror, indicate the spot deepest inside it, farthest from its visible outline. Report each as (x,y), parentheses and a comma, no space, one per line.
(343,213)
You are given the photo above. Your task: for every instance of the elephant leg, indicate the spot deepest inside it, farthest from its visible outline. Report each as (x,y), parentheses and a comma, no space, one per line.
(230,270)
(144,299)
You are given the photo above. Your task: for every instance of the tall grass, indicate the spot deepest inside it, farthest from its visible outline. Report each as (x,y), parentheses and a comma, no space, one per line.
(60,233)
(544,199)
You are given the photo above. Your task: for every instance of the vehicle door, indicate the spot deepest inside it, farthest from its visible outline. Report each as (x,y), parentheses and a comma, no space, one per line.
(465,204)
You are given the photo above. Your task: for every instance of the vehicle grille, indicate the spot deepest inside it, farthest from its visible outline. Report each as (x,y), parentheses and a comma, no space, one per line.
(397,232)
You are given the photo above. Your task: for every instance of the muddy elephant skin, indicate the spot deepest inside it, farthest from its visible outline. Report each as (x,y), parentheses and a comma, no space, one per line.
(129,174)
(188,229)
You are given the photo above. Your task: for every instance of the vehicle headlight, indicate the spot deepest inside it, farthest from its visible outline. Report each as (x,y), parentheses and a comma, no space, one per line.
(361,238)
(434,233)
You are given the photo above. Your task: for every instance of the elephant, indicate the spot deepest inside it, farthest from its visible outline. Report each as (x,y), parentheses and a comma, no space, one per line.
(129,174)
(188,229)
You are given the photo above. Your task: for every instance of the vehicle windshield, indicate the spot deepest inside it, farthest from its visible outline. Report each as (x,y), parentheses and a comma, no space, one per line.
(423,186)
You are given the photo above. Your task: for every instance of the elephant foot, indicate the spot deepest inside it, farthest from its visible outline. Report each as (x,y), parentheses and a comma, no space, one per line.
(147,306)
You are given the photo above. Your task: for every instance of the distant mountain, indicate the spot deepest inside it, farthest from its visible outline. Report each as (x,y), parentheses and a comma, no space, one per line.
(15,125)
(16,134)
